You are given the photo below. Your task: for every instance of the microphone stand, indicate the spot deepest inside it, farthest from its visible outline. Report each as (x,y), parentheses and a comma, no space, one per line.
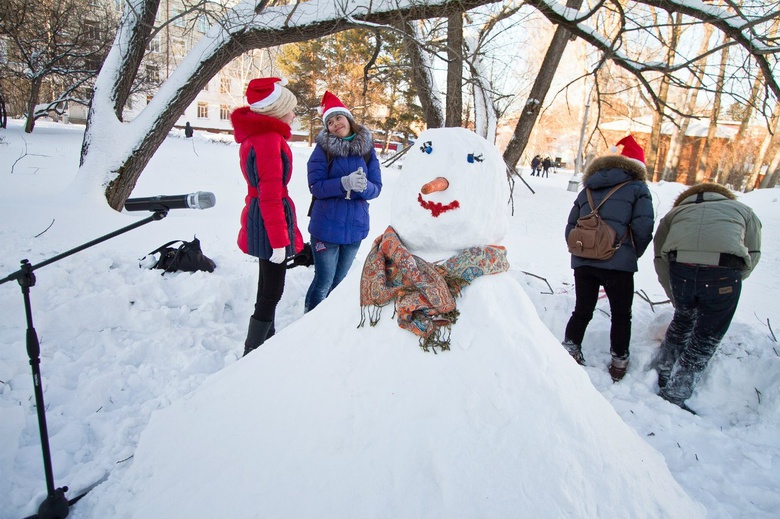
(56,505)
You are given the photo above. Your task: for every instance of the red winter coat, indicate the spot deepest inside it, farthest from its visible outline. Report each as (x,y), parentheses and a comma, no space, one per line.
(268,219)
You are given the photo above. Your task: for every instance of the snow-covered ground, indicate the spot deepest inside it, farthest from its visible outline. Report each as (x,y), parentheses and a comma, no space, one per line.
(119,343)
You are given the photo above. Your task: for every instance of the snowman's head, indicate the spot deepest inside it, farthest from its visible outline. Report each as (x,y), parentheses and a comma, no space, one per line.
(452,193)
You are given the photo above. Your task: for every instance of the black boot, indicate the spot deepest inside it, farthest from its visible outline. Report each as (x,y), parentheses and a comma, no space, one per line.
(257,334)
(575,350)
(617,368)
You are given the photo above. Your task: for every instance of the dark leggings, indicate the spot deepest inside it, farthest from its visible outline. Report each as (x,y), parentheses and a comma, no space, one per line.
(270,286)
(619,287)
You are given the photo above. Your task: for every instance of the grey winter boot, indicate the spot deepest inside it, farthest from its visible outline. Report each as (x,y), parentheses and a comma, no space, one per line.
(257,334)
(618,367)
(575,350)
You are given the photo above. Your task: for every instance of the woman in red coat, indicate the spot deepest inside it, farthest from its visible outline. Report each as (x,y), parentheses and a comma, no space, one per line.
(269,230)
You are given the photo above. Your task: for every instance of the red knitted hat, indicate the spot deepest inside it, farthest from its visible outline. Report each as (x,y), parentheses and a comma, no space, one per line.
(263,91)
(331,105)
(631,149)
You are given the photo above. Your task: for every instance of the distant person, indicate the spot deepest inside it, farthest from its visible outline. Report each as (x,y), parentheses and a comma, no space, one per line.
(188,131)
(704,247)
(269,230)
(629,211)
(546,165)
(536,164)
(344,174)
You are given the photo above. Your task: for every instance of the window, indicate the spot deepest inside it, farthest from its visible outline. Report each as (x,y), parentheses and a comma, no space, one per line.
(224,85)
(92,30)
(154,45)
(203,23)
(153,73)
(224,112)
(178,47)
(178,18)
(92,63)
(203,111)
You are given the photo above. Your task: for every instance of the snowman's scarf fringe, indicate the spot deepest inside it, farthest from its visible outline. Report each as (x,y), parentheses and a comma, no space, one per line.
(423,294)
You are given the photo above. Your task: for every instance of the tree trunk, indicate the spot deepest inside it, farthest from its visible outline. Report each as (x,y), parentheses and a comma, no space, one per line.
(658,115)
(533,105)
(771,141)
(704,170)
(772,173)
(35,90)
(729,172)
(677,141)
(454,103)
(422,78)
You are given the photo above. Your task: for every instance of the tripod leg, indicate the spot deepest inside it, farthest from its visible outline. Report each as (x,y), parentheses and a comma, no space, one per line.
(55,506)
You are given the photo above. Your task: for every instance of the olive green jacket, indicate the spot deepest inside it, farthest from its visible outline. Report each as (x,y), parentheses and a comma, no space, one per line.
(705,221)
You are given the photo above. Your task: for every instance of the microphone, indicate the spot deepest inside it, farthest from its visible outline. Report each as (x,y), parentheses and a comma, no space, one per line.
(199,200)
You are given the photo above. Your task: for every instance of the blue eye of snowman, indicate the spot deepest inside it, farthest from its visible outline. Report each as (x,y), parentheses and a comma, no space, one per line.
(426,147)
(472,158)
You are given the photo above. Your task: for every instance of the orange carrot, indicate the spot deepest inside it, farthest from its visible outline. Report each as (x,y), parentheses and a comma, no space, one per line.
(437,184)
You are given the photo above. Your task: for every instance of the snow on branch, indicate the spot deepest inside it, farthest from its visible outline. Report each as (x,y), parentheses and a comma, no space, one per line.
(739,26)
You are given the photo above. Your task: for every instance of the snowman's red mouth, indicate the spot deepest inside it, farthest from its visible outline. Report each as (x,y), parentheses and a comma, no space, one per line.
(437,208)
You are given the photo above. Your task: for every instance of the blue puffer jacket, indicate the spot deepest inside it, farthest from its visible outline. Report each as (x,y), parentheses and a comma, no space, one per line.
(334,218)
(631,206)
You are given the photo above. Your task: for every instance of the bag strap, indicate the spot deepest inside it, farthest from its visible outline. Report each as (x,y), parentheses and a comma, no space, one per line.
(161,247)
(609,194)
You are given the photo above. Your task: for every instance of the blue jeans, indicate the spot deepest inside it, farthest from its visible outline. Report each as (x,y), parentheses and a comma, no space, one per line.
(705,299)
(331,264)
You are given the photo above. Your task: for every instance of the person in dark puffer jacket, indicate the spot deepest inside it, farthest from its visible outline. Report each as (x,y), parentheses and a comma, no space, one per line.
(704,247)
(269,230)
(344,174)
(629,211)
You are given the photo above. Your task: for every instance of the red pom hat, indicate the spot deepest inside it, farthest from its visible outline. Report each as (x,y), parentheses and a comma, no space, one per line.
(332,105)
(631,149)
(263,91)
(268,96)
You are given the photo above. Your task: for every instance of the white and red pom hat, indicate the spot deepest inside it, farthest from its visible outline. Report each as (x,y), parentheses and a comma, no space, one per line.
(332,105)
(631,149)
(264,91)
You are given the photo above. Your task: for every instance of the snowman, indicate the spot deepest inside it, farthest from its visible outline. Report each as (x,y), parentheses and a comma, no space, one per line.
(452,194)
(328,420)
(448,214)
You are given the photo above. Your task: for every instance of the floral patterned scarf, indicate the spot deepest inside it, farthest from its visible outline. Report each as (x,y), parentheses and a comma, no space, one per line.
(424,293)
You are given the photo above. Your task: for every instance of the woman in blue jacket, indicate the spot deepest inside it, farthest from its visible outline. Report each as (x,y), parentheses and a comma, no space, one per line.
(629,211)
(344,175)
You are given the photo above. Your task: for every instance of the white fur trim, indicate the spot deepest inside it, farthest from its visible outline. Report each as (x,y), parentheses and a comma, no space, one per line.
(270,98)
(335,110)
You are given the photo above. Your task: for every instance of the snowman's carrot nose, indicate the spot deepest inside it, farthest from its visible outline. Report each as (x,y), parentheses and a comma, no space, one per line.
(437,184)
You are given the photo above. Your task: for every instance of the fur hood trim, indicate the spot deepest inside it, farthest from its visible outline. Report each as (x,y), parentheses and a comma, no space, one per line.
(705,187)
(630,166)
(335,146)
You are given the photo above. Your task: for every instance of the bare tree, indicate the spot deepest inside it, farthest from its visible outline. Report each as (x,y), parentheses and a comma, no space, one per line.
(659,106)
(705,168)
(257,25)
(689,99)
(56,48)
(422,76)
(454,106)
(533,105)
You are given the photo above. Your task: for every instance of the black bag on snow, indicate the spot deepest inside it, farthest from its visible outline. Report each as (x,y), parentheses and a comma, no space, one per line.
(187,257)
